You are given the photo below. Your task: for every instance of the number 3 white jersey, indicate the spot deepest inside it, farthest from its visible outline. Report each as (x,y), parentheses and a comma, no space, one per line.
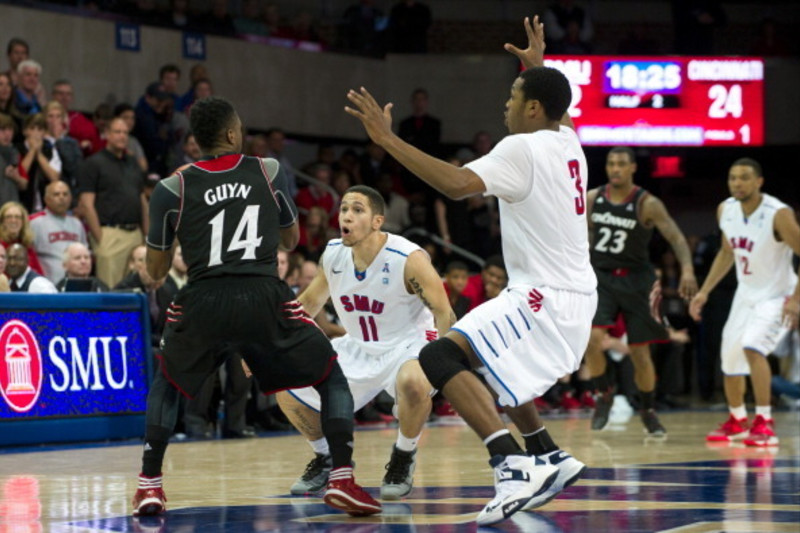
(540,181)
(763,264)
(374,306)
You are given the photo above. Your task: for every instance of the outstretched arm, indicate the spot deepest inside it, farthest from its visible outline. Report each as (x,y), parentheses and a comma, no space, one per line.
(653,210)
(719,268)
(448,179)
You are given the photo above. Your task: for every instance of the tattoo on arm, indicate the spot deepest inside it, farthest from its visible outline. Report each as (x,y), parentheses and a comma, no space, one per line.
(418,289)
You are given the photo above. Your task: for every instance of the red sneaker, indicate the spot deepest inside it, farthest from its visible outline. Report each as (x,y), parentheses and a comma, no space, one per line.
(345,494)
(149,502)
(762,433)
(444,408)
(587,400)
(569,402)
(731,429)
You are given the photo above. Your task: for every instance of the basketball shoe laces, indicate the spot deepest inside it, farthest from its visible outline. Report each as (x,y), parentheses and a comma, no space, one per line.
(397,468)
(315,467)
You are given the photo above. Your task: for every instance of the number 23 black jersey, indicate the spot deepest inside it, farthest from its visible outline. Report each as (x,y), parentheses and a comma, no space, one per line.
(619,239)
(226,212)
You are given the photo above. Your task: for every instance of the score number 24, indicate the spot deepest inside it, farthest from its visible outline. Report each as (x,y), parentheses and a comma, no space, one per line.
(727,101)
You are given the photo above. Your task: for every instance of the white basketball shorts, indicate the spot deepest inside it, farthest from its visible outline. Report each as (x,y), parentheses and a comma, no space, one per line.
(367,374)
(527,338)
(756,326)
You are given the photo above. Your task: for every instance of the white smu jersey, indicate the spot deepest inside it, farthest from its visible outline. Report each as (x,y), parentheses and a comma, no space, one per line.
(374,306)
(540,181)
(763,264)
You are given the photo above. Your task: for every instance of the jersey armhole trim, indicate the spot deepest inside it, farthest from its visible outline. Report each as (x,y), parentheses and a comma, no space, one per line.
(180,208)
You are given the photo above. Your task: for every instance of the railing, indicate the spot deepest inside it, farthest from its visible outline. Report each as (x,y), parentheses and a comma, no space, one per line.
(436,239)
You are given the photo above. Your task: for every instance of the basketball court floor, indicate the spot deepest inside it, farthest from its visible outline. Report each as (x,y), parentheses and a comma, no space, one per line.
(633,483)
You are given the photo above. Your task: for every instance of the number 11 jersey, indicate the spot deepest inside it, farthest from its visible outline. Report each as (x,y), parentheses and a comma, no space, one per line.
(374,306)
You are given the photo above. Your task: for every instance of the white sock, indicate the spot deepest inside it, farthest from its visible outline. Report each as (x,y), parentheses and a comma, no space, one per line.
(765,411)
(738,412)
(406,444)
(320,446)
(149,482)
(494,435)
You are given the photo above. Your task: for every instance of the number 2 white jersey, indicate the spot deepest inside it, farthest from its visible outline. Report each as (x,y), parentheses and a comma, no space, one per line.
(763,264)
(374,306)
(540,181)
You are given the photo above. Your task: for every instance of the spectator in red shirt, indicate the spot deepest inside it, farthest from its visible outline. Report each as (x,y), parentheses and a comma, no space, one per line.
(314,234)
(455,281)
(317,193)
(488,284)
(80,128)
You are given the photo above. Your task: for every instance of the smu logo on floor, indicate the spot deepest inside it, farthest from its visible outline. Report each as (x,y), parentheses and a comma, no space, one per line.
(21,366)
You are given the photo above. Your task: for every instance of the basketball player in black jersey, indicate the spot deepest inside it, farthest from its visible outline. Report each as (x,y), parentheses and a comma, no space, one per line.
(621,220)
(230,213)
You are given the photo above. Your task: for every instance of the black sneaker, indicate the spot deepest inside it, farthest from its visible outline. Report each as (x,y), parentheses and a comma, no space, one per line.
(399,474)
(602,409)
(315,478)
(651,423)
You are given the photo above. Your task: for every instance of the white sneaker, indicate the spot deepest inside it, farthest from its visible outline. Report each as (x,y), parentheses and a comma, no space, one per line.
(569,471)
(517,479)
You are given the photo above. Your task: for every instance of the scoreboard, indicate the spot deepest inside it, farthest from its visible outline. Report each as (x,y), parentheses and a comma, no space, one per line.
(665,101)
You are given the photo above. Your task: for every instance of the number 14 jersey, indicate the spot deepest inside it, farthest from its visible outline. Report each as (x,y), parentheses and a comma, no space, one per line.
(374,306)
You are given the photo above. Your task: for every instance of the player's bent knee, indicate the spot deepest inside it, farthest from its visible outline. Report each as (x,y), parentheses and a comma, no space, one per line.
(414,390)
(412,385)
(441,360)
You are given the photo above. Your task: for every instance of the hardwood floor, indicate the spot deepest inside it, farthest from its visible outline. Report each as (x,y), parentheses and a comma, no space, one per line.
(633,483)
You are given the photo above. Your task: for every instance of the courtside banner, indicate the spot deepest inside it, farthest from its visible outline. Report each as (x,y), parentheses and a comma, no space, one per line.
(73,355)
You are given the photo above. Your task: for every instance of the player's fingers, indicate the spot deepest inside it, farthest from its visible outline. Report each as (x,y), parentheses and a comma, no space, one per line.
(513,49)
(368,97)
(355,98)
(355,113)
(538,27)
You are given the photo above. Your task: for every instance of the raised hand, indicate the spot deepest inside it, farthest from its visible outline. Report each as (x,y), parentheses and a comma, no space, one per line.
(376,120)
(533,55)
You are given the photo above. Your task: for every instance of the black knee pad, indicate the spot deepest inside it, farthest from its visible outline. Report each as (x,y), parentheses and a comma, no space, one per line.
(441,360)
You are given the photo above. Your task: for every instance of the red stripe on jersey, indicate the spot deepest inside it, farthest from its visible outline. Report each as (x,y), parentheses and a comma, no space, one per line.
(220,164)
